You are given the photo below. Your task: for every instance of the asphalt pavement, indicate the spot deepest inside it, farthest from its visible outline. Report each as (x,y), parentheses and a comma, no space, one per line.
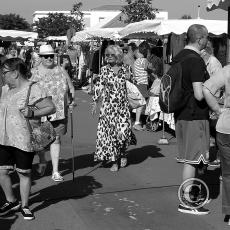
(142,196)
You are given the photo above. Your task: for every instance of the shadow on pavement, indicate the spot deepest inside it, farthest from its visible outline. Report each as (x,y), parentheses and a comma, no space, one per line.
(138,155)
(81,187)
(7,222)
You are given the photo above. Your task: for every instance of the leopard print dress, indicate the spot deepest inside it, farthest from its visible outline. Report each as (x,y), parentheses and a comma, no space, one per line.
(114,132)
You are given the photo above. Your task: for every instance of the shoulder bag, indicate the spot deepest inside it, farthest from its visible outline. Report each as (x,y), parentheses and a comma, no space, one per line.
(43,135)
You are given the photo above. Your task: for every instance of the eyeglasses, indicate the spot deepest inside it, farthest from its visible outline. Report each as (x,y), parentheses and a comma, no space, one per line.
(47,56)
(110,55)
(5,72)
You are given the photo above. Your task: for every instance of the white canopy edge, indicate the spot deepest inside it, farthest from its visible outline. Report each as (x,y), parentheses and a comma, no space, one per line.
(164,27)
(18,33)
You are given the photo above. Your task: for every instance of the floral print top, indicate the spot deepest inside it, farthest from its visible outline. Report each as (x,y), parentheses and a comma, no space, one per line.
(54,82)
(14,129)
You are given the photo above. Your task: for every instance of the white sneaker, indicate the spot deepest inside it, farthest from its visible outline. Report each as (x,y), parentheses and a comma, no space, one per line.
(57,177)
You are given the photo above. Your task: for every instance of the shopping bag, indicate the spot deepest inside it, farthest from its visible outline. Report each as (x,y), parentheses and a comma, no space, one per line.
(135,98)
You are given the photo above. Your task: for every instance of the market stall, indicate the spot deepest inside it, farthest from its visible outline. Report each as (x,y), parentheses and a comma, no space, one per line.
(17,35)
(224,5)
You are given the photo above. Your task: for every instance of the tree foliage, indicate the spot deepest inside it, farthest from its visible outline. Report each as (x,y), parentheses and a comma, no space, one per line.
(57,24)
(186,16)
(13,22)
(138,10)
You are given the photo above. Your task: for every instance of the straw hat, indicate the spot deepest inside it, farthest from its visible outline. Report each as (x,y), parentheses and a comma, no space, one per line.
(46,50)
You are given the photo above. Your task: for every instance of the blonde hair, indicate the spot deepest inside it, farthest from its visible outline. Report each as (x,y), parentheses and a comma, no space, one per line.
(117,51)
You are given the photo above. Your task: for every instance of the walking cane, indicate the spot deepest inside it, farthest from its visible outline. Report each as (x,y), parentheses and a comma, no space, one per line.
(72,143)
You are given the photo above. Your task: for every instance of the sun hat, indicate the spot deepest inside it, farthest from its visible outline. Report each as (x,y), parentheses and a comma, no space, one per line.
(46,50)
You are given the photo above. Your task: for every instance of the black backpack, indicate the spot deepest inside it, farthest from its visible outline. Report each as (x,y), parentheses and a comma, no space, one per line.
(172,97)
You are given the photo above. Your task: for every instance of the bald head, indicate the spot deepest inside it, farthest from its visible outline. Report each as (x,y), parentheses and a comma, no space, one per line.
(196,31)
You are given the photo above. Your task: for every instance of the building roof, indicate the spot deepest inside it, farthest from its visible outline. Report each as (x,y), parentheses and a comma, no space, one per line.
(108,7)
(116,22)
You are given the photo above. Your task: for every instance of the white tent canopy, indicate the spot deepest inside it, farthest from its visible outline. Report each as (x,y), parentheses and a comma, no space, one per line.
(17,34)
(148,28)
(56,38)
(111,33)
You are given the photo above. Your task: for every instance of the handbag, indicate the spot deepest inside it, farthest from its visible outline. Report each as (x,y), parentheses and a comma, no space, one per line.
(155,88)
(43,135)
(134,96)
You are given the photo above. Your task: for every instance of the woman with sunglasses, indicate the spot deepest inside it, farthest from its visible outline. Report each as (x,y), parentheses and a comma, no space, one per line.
(56,82)
(114,132)
(15,140)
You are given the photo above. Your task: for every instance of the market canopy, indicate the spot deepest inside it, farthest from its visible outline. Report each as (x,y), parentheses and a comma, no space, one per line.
(218,4)
(17,35)
(109,33)
(148,28)
(56,38)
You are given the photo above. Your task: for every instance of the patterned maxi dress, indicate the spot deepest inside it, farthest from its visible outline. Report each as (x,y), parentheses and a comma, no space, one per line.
(114,132)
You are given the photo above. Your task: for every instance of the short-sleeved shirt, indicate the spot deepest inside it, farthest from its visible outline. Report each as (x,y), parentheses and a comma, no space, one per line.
(217,81)
(193,70)
(140,73)
(55,85)
(14,129)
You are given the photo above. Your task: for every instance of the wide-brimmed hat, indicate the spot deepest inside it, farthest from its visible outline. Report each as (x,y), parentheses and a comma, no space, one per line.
(46,50)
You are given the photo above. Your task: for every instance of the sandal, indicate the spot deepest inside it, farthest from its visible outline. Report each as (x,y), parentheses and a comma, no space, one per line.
(57,177)
(114,167)
(124,162)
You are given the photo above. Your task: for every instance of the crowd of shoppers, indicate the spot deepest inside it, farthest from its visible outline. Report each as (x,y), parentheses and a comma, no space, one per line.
(50,76)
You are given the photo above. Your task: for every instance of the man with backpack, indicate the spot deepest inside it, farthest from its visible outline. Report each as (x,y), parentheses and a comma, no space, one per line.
(192,125)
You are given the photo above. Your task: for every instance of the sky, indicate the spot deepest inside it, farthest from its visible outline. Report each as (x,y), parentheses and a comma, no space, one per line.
(175,8)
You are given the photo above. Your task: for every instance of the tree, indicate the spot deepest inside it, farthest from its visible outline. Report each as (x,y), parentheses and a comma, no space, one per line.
(138,10)
(57,24)
(13,22)
(186,16)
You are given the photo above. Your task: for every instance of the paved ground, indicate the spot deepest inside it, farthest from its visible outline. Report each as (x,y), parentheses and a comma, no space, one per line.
(142,196)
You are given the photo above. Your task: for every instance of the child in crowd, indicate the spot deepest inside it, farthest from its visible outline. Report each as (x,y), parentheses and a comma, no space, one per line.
(141,77)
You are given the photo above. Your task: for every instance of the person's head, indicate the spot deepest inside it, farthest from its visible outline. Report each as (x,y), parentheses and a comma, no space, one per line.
(144,49)
(132,46)
(46,53)
(14,70)
(197,35)
(114,55)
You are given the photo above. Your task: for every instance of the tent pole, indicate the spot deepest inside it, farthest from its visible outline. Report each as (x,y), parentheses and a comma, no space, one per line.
(163,140)
(228,39)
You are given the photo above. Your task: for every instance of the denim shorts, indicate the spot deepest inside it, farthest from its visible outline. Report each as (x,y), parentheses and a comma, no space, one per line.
(11,157)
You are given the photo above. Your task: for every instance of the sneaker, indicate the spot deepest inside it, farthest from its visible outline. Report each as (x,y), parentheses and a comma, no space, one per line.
(194,211)
(8,207)
(57,177)
(27,214)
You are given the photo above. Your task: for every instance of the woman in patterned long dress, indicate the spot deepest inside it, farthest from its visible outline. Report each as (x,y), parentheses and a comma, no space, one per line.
(114,132)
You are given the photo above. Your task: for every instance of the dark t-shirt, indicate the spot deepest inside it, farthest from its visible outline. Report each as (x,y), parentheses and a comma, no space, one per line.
(193,70)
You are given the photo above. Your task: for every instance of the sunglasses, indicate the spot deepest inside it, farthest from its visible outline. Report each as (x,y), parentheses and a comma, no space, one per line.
(47,56)
(110,55)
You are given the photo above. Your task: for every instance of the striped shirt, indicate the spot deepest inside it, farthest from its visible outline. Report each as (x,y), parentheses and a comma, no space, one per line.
(140,73)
